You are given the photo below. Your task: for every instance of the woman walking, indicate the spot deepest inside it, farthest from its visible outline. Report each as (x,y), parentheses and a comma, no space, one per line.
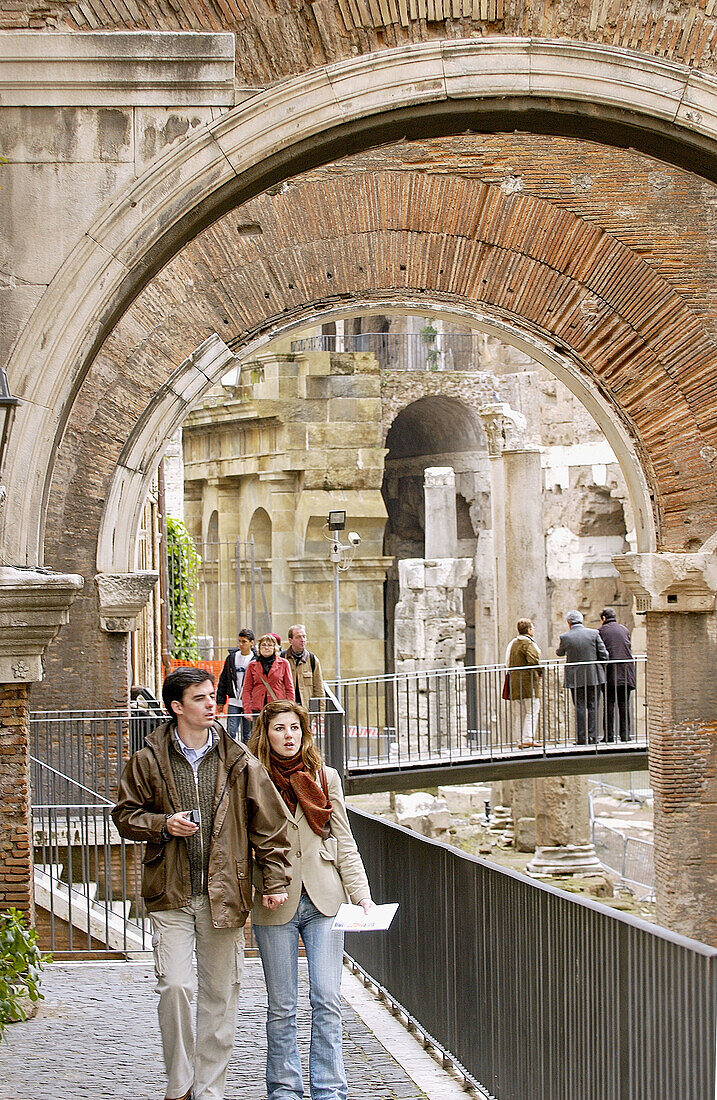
(327,870)
(267,677)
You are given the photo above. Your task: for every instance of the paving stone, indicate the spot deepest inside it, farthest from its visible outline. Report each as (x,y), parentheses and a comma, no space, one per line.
(96,1037)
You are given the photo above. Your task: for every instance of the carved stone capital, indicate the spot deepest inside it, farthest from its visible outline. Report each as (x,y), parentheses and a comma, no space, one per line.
(122,599)
(670,581)
(34,605)
(503,426)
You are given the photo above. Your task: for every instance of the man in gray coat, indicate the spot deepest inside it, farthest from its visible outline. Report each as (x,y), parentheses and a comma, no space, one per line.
(584,650)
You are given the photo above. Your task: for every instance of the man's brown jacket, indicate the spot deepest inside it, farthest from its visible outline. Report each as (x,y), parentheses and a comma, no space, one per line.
(247,812)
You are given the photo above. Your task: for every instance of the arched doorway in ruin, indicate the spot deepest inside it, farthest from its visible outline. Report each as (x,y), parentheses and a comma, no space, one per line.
(432,431)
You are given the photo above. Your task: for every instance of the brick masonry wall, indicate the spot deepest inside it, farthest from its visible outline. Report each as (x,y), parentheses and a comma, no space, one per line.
(682,708)
(15,851)
(281,37)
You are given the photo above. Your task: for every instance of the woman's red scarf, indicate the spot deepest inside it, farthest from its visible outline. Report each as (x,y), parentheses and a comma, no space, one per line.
(296,785)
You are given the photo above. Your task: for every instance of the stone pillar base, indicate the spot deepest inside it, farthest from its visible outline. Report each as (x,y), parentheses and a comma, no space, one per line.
(500,818)
(570,859)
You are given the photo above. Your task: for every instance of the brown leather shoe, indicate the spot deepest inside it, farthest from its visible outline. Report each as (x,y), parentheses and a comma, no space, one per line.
(187,1096)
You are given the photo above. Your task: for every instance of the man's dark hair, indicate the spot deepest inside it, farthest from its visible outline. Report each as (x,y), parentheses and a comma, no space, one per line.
(177,682)
(245,632)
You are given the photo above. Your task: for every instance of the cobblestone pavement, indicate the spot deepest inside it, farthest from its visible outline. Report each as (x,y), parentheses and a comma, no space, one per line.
(96,1037)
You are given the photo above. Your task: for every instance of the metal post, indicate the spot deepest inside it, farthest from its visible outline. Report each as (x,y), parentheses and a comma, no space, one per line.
(253,590)
(237,586)
(337,628)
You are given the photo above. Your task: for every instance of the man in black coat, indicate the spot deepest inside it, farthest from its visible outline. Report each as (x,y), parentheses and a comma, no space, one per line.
(620,679)
(584,654)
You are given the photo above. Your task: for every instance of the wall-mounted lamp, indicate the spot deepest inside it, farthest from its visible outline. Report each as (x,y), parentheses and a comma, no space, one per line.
(8,405)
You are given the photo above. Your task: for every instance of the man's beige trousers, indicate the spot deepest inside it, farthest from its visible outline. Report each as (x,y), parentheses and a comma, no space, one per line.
(178,933)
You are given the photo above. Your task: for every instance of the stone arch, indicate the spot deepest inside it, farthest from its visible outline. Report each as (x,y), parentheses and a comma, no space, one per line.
(260,527)
(570,308)
(434,425)
(657,105)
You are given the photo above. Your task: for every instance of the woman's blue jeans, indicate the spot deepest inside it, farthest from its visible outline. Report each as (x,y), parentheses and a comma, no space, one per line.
(279,950)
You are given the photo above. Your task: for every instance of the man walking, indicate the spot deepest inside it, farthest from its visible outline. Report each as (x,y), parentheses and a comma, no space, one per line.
(620,680)
(231,682)
(305,667)
(202,803)
(583,650)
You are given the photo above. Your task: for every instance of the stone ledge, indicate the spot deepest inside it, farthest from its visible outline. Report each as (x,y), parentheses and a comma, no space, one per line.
(122,598)
(120,69)
(34,605)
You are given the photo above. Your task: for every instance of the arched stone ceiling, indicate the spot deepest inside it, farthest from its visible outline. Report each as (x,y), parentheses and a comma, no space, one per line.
(276,38)
(349,232)
(432,426)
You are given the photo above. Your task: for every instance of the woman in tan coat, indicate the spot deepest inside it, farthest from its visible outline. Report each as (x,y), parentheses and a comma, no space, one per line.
(326,871)
(522,658)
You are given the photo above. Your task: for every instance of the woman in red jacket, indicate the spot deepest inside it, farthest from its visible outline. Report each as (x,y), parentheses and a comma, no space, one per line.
(268,677)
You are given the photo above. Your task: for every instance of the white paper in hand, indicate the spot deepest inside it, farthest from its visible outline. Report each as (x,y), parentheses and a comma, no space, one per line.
(351,918)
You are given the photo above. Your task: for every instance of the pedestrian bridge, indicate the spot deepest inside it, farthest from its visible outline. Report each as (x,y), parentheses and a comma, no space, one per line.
(454,725)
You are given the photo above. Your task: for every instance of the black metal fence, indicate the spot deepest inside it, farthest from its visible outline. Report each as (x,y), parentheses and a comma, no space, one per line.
(454,715)
(539,995)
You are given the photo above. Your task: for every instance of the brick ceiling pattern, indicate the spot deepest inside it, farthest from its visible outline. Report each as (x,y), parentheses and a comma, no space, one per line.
(358,230)
(276,38)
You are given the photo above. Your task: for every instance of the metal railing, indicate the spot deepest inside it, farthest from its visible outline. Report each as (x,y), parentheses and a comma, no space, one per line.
(460,714)
(77,756)
(535,992)
(227,593)
(87,879)
(420,351)
(630,857)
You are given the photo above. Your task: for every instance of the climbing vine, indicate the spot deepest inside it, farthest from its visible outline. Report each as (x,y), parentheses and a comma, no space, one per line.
(183,563)
(428,335)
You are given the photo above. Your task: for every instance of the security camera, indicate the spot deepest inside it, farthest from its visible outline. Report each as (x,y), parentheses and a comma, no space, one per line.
(354,538)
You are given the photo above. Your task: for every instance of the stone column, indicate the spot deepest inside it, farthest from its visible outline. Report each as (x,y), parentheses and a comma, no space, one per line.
(676,593)
(441,526)
(33,607)
(562,822)
(429,633)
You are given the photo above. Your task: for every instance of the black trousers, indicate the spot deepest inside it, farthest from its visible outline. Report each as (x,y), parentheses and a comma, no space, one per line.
(617,706)
(586,698)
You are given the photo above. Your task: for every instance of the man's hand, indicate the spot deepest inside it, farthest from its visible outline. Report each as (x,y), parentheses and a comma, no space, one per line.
(366,904)
(180,825)
(273,901)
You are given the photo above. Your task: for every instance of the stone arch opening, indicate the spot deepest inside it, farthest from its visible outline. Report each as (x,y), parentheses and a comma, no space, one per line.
(260,531)
(431,87)
(431,431)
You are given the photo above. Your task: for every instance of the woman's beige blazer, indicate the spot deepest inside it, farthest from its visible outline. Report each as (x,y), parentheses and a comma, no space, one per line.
(330,870)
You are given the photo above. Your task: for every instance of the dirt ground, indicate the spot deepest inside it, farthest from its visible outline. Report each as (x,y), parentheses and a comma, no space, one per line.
(619,802)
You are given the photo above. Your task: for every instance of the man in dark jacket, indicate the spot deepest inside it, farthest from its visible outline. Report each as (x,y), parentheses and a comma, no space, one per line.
(584,653)
(203,804)
(231,682)
(620,679)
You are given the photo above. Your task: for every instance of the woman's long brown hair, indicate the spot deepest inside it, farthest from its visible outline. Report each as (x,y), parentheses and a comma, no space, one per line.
(259,742)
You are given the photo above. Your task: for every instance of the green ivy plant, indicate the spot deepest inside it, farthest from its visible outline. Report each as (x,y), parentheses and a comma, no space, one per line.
(20,965)
(428,336)
(183,562)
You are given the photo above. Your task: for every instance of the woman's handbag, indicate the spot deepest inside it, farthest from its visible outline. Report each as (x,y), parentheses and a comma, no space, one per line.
(505,693)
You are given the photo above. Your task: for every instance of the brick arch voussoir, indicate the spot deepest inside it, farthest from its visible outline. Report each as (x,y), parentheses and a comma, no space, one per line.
(392,234)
